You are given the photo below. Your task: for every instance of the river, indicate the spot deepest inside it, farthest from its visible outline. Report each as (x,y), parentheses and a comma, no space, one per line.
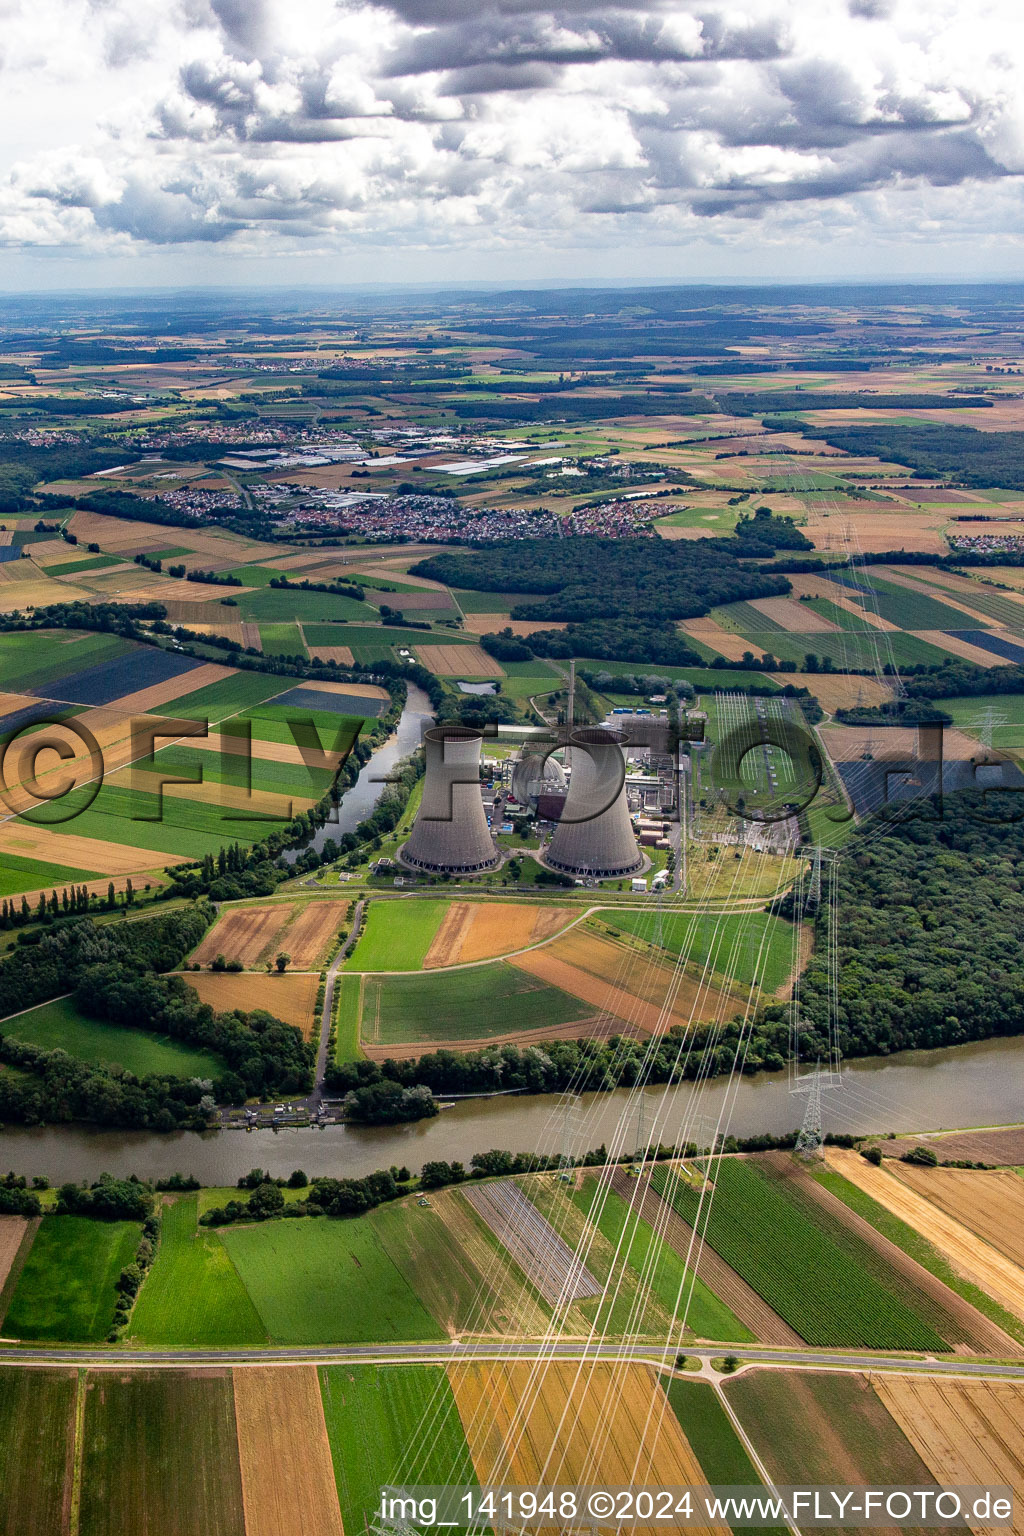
(960,1086)
(359,801)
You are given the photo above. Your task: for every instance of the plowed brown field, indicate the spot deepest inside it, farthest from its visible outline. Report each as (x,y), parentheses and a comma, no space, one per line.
(991,1204)
(289,997)
(311,930)
(617,981)
(458,661)
(242,933)
(975,1260)
(568,1422)
(481,930)
(709,632)
(964,1432)
(288,1486)
(342,654)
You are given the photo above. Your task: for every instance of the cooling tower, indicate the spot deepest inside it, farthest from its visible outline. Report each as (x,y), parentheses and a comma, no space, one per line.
(595,835)
(450,834)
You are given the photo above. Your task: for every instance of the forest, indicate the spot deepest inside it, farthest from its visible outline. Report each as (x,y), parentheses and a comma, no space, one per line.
(930,902)
(960,454)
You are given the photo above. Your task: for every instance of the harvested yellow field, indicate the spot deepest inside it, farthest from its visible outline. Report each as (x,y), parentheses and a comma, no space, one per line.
(709,632)
(196,610)
(489,623)
(243,933)
(957,647)
(834,691)
(233,797)
(266,751)
(113,534)
(85,853)
(12,1232)
(288,1486)
(990,1203)
(458,661)
(342,654)
(482,930)
(345,690)
(997,1275)
(313,926)
(38,593)
(572,1422)
(964,1432)
(616,980)
(879,532)
(231,629)
(794,616)
(289,998)
(174,688)
(848,743)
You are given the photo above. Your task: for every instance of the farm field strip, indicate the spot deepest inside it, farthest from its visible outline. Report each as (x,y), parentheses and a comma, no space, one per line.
(991,1204)
(243,933)
(964,1432)
(774,1246)
(473,931)
(160,1454)
(729,1287)
(290,997)
(396,1423)
(288,1486)
(547,1261)
(192,1296)
(65,1291)
(569,1423)
(486,1002)
(516,1307)
(308,936)
(12,1235)
(37,1445)
(977,1261)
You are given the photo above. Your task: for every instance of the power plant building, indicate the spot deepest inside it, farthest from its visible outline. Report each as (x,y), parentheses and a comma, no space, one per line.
(594,836)
(450,834)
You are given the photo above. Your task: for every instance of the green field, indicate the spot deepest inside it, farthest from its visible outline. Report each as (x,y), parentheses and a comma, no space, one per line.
(733,945)
(60,1026)
(715,1443)
(346,1004)
(774,1246)
(437,1269)
(492,602)
(658,1266)
(273,603)
(192,1297)
(86,563)
(17,875)
(282,640)
(228,697)
(471,1004)
(165,824)
(324,1281)
(67,651)
(66,1290)
(389,1424)
(160,1455)
(396,935)
(36,1450)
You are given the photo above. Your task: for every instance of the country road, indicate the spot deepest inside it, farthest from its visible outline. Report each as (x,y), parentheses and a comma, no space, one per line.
(441,1353)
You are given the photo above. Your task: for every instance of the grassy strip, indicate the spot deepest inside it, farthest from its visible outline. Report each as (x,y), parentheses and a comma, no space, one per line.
(918,1248)
(66,1289)
(346,1012)
(192,1296)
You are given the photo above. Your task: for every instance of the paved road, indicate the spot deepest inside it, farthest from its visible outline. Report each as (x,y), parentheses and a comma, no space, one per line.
(397,1354)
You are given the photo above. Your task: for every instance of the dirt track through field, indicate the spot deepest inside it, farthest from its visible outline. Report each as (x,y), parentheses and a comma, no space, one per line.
(991,1204)
(738,1296)
(964,1432)
(573,1423)
(288,1486)
(958,1322)
(975,1260)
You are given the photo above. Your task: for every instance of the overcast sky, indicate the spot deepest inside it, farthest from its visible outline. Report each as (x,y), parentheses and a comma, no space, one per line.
(180,141)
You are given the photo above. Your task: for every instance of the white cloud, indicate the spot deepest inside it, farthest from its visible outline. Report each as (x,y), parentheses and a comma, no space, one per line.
(270,125)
